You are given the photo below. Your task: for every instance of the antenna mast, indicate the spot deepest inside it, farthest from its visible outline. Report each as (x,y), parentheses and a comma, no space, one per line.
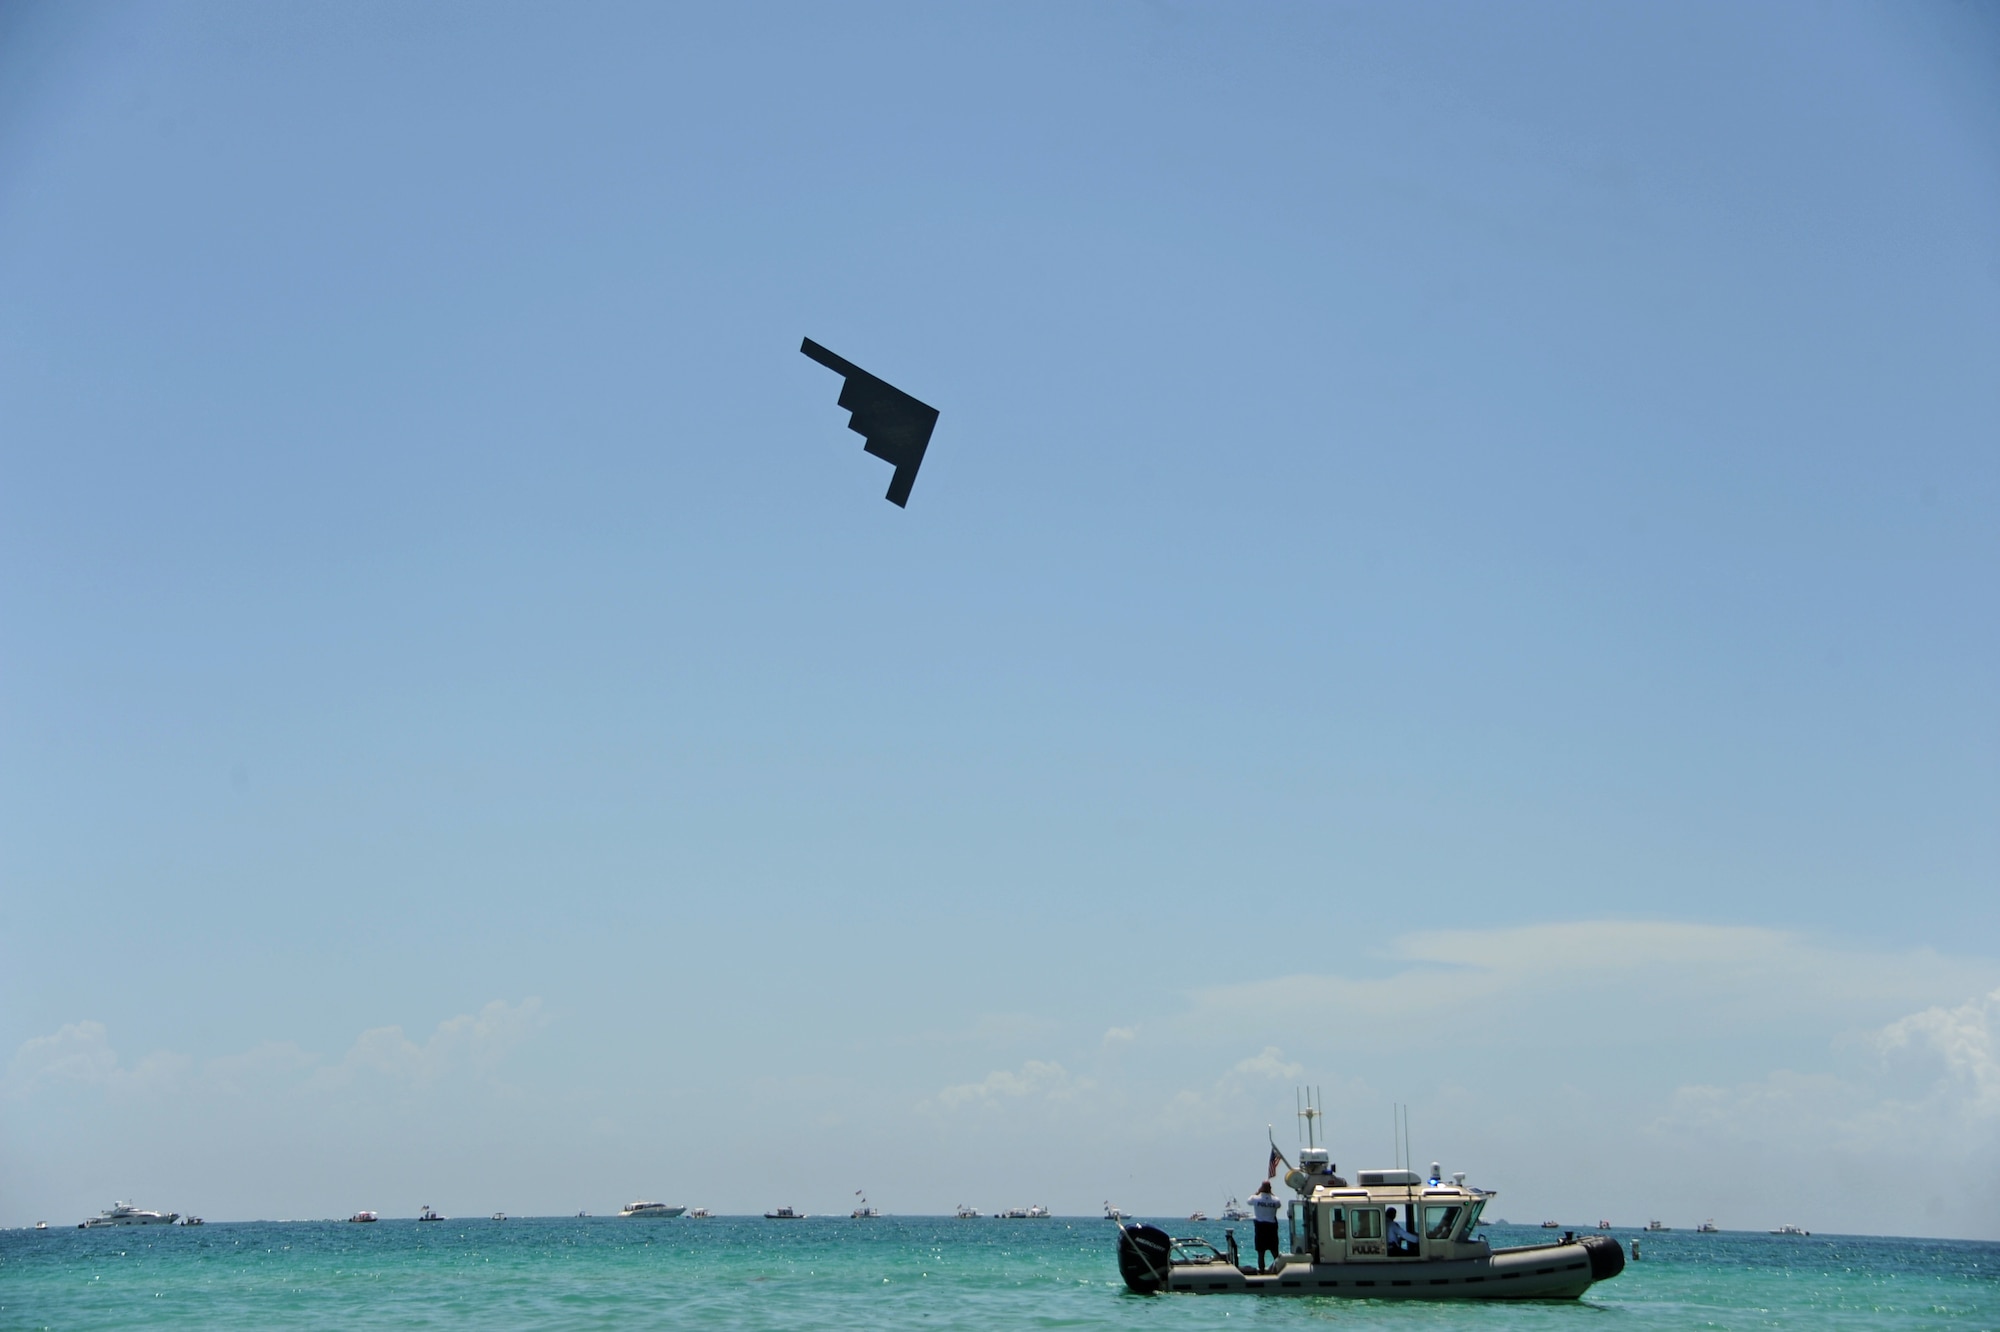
(1309,1100)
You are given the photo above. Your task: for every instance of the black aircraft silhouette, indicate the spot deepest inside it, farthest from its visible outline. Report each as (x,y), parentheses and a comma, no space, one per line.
(896,426)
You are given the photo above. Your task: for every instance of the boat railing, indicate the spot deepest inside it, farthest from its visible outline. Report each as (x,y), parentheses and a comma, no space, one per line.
(1196,1251)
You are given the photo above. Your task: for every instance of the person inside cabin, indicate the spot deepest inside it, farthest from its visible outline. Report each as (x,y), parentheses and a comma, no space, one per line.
(1402,1244)
(1265,1206)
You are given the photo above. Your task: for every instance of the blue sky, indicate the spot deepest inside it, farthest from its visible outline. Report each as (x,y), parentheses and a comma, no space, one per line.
(1456,565)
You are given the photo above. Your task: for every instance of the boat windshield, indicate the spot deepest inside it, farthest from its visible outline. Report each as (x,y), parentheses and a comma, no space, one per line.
(1441,1219)
(1472,1217)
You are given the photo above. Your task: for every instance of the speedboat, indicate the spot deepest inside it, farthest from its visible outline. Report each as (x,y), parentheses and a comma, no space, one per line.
(362,1218)
(428,1215)
(193,1221)
(651,1209)
(1197,1215)
(125,1214)
(697,1214)
(1338,1245)
(785,1214)
(1235,1211)
(1790,1230)
(1112,1213)
(965,1213)
(499,1216)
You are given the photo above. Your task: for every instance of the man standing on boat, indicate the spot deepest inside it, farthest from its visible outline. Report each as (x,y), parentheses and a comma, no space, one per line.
(1265,1206)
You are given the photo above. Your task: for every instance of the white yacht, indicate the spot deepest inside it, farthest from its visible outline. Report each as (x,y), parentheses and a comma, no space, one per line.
(125,1214)
(1235,1211)
(651,1209)
(1790,1230)
(1338,1245)
(1037,1212)
(965,1213)
(697,1214)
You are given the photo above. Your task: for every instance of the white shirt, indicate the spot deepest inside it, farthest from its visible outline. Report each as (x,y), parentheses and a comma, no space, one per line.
(1398,1235)
(1266,1206)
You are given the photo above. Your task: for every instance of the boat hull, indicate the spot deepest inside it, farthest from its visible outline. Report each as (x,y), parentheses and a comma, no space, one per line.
(1539,1272)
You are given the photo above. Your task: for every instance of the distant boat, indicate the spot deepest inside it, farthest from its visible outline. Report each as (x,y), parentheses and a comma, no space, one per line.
(125,1214)
(499,1216)
(1654,1225)
(1037,1212)
(1604,1225)
(1234,1211)
(1013,1214)
(1112,1213)
(41,1225)
(862,1211)
(1707,1227)
(1197,1215)
(965,1213)
(1552,1225)
(428,1215)
(658,1209)
(697,1214)
(1790,1230)
(192,1221)
(361,1217)
(785,1214)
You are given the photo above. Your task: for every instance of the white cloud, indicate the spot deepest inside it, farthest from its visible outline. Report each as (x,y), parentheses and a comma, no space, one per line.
(1479,980)
(1268,1063)
(1121,1036)
(1036,1078)
(79,1054)
(1924,1099)
(1958,1045)
(474,1042)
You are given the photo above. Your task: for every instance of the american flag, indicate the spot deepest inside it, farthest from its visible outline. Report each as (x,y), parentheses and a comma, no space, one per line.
(1277,1159)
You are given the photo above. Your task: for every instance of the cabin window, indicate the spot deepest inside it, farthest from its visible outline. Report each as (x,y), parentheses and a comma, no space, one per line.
(1440,1220)
(1472,1218)
(1332,1224)
(1367,1223)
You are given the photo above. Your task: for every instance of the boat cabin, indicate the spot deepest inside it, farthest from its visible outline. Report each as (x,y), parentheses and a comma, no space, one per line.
(1338,1222)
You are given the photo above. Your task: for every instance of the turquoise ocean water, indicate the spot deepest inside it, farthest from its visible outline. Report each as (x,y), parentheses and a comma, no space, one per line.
(911,1272)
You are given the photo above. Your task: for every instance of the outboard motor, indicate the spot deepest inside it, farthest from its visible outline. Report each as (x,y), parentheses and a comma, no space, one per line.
(1145,1256)
(1607,1258)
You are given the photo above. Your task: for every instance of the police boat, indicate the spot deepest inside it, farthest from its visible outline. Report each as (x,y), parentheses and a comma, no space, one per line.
(1338,1244)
